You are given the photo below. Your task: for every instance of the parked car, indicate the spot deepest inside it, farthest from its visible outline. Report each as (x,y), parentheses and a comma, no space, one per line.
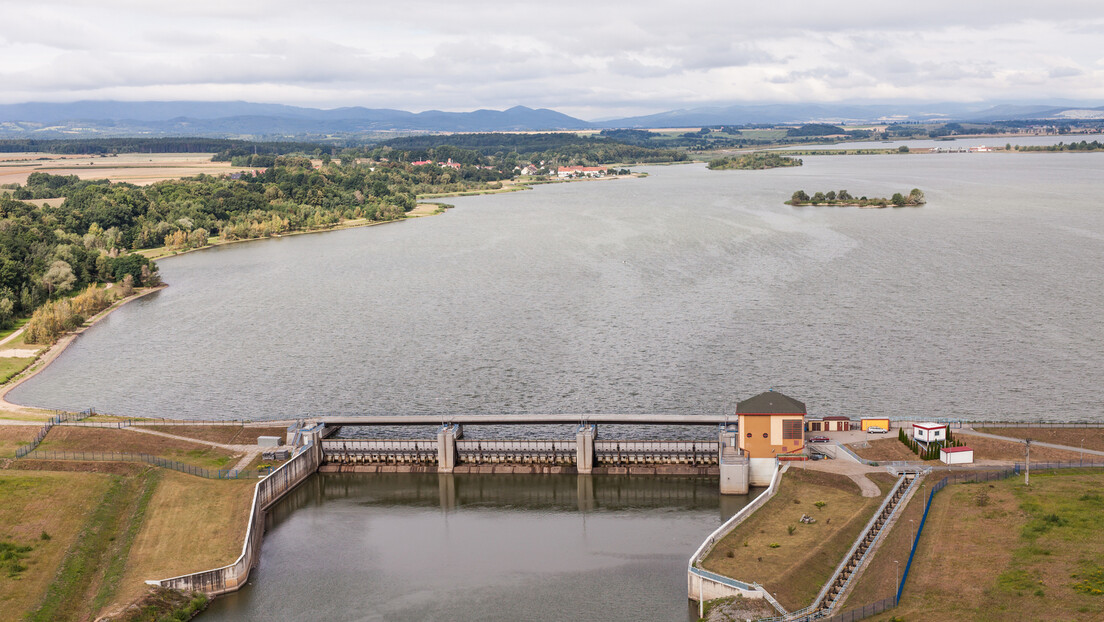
(875,429)
(819,439)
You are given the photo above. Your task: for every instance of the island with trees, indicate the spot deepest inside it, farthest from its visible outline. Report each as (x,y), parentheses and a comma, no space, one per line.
(843,198)
(753,161)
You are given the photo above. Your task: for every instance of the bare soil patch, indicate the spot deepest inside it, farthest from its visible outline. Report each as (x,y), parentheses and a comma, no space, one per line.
(794,563)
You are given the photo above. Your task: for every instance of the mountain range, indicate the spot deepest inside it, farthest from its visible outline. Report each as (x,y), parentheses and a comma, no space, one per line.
(115,118)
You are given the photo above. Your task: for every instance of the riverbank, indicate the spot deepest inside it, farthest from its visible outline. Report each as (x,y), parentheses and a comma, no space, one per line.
(49,355)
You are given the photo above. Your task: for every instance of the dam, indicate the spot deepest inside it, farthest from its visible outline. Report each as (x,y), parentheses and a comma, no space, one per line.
(448,451)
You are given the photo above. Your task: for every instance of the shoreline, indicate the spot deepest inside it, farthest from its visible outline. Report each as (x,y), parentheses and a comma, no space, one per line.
(50,355)
(53,352)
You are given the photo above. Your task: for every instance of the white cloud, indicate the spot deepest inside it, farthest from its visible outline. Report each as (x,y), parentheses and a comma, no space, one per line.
(583,58)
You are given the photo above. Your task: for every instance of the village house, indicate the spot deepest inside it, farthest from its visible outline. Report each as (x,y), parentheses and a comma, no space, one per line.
(929,432)
(581,171)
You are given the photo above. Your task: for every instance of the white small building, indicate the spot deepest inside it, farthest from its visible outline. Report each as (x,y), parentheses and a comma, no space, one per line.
(929,432)
(956,455)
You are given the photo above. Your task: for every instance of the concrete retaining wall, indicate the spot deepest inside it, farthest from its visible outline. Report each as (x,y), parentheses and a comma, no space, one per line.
(268,491)
(711,585)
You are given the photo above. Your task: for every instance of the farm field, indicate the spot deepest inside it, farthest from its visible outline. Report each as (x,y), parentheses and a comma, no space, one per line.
(140,169)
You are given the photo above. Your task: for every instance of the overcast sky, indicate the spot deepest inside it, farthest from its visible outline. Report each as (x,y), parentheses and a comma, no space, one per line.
(590,59)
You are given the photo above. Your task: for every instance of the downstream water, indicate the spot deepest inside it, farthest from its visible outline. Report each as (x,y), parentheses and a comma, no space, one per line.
(491,547)
(682,292)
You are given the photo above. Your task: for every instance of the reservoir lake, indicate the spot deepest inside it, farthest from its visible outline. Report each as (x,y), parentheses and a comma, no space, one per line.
(682,292)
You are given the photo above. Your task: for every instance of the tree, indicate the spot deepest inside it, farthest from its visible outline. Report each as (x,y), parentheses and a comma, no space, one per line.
(59,278)
(799,197)
(898,199)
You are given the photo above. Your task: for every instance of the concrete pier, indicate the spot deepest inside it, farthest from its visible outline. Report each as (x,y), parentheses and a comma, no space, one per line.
(584,449)
(446,446)
(734,464)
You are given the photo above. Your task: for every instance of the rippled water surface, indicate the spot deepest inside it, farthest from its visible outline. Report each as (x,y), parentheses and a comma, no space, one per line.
(681,292)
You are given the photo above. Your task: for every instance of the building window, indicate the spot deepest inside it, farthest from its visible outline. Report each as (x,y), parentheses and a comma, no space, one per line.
(765,435)
(791,429)
(749,435)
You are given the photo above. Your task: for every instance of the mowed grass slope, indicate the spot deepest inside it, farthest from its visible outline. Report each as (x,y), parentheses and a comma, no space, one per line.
(794,564)
(225,434)
(77,439)
(192,524)
(13,436)
(1089,438)
(37,502)
(108,533)
(1003,551)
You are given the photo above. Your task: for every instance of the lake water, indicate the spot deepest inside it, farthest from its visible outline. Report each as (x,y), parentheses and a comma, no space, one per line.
(682,292)
(490,547)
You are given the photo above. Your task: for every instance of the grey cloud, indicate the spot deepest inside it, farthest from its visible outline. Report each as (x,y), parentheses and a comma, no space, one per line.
(1065,72)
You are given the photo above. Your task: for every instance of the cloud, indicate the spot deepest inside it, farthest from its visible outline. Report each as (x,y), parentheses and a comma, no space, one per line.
(573,55)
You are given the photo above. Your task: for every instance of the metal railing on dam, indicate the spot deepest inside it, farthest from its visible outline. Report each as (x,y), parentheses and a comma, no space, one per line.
(524,419)
(548,452)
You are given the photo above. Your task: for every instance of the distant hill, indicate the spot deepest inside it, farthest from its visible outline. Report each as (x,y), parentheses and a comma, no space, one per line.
(850,113)
(245,120)
(205,118)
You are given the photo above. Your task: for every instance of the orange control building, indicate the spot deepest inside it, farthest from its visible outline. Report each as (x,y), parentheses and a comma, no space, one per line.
(770,424)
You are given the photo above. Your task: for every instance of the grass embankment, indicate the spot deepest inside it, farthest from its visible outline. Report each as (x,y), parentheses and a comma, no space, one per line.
(791,559)
(107,534)
(888,449)
(1001,551)
(35,503)
(225,434)
(1010,451)
(12,436)
(10,366)
(1089,438)
(67,438)
(883,450)
(192,524)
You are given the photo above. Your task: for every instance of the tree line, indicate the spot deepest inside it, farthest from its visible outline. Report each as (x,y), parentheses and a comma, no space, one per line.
(98,146)
(914,198)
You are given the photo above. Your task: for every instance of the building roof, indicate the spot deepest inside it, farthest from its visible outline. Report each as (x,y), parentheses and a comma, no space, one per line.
(836,417)
(954,450)
(929,426)
(770,403)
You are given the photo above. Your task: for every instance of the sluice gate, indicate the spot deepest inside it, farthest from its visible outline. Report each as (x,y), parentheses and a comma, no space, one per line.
(544,452)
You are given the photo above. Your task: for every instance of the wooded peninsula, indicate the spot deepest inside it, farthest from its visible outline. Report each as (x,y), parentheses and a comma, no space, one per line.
(753,162)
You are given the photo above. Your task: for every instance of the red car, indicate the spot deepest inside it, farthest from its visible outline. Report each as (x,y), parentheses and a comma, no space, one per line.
(819,439)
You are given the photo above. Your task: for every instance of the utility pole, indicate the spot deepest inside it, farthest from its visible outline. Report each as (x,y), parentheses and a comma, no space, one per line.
(1027,471)
(897,582)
